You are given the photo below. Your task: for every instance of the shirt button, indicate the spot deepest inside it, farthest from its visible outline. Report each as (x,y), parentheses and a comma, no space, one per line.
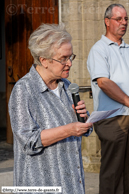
(80,181)
(78,166)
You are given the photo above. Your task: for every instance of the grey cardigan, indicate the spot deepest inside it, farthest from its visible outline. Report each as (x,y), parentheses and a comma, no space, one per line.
(33,108)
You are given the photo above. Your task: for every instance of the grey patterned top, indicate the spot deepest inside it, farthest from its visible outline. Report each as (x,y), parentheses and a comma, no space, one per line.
(33,108)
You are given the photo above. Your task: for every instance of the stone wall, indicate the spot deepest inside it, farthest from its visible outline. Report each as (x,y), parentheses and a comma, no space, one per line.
(84,21)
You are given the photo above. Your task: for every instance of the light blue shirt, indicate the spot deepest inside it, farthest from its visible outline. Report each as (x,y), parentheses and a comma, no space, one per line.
(108,59)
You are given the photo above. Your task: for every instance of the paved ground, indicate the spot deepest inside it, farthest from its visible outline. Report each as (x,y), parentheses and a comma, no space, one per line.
(6,170)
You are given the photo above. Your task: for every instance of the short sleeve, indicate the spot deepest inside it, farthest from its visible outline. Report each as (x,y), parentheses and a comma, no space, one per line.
(97,63)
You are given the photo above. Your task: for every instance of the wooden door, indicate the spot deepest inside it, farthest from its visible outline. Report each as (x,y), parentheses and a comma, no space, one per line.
(21,18)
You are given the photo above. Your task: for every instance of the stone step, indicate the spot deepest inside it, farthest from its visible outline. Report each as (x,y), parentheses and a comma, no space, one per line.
(6,179)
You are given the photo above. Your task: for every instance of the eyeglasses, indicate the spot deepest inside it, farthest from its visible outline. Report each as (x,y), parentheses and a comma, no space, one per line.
(64,61)
(120,19)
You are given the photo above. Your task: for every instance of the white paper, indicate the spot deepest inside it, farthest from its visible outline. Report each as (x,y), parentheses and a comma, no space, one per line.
(99,115)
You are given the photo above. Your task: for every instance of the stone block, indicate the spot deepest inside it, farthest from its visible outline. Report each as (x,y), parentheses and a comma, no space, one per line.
(94,29)
(71,11)
(123,2)
(89,29)
(91,10)
(6,178)
(85,81)
(126,37)
(81,81)
(88,43)
(89,144)
(78,49)
(102,5)
(100,29)
(67,1)
(126,40)
(75,71)
(86,74)
(73,80)
(88,101)
(75,29)
(105,4)
(91,165)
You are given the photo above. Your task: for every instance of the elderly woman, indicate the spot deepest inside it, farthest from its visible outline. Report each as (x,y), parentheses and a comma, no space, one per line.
(47,135)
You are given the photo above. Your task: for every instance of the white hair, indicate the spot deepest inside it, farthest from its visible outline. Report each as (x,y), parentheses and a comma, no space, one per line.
(45,38)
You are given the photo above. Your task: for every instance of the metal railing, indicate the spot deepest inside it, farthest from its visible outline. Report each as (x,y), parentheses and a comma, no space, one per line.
(86,89)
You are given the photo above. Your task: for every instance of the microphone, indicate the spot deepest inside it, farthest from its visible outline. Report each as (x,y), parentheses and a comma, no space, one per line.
(74,89)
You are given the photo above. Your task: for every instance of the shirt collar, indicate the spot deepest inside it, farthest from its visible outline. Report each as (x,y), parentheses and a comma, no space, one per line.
(110,42)
(38,82)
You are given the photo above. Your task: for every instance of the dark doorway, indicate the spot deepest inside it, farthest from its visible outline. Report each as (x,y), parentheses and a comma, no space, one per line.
(21,18)
(2,75)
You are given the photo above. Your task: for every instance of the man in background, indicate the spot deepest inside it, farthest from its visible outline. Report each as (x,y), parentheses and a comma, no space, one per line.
(108,65)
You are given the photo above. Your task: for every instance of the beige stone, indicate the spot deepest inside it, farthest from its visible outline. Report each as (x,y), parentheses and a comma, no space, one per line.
(71,11)
(78,49)
(66,1)
(126,40)
(87,46)
(91,10)
(75,29)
